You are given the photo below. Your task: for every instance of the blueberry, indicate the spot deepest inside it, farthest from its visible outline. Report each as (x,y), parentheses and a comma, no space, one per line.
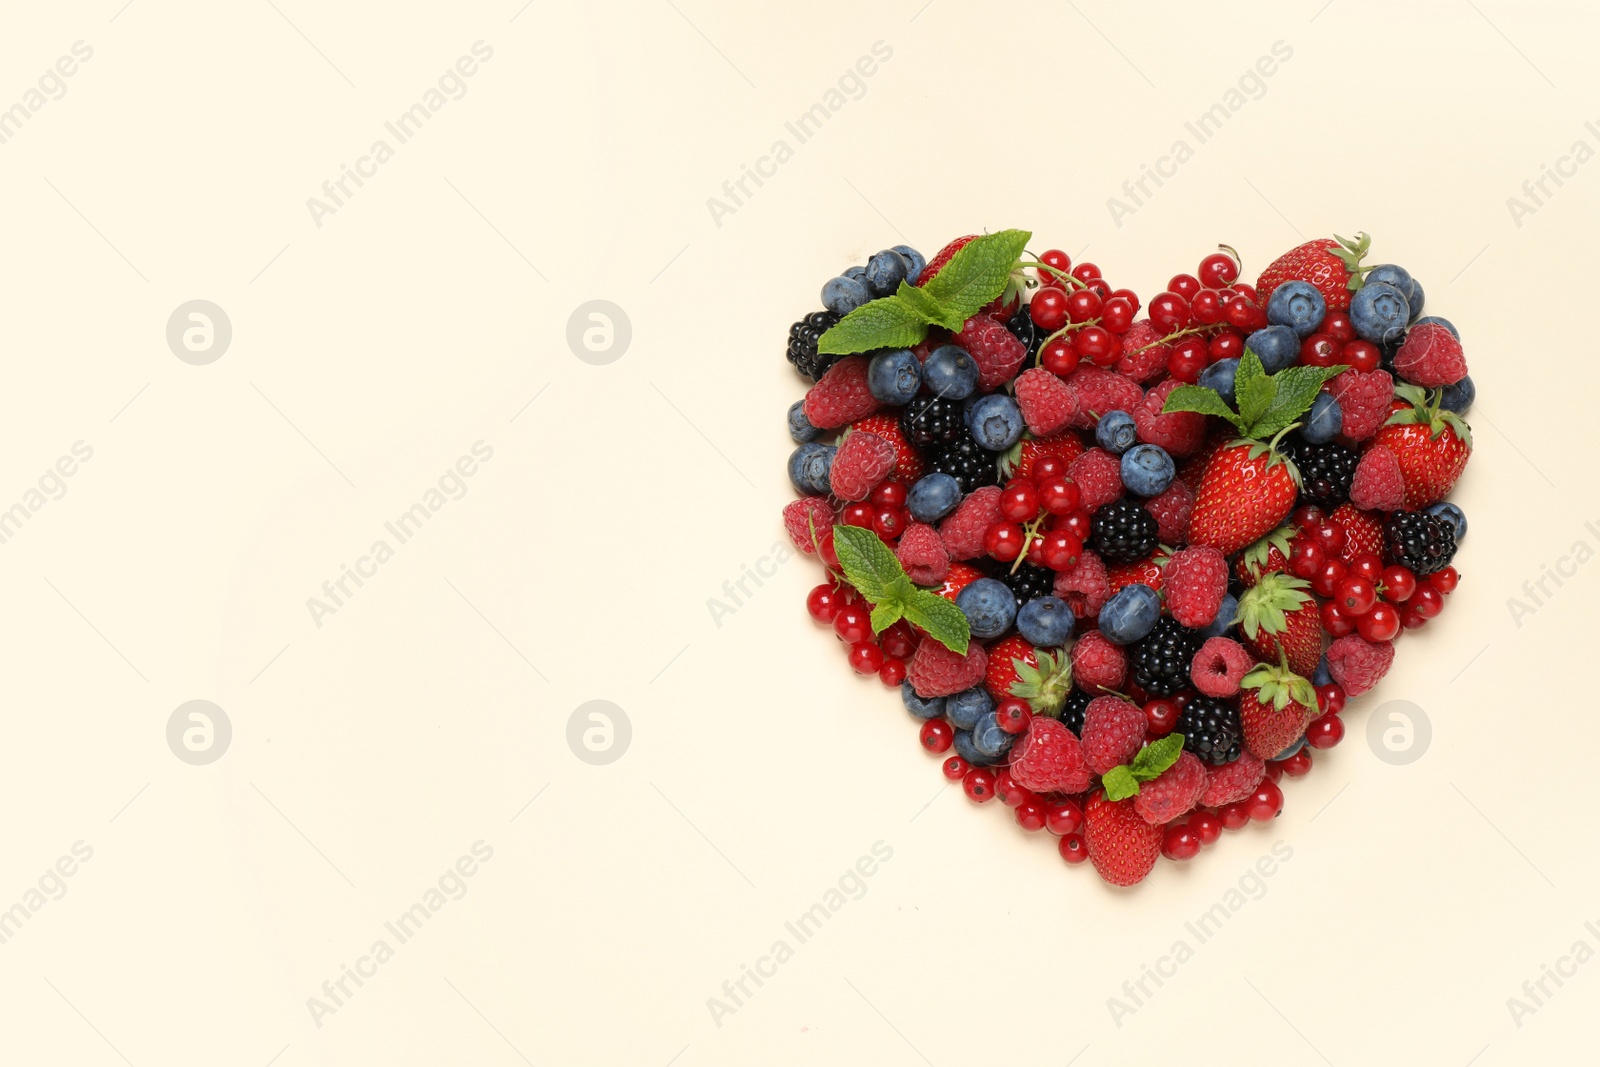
(843,295)
(1451,514)
(1322,676)
(1045,621)
(1459,397)
(914,262)
(1116,432)
(1219,377)
(1379,312)
(1147,470)
(1415,298)
(894,376)
(1219,626)
(969,752)
(1298,305)
(950,372)
(1130,614)
(989,737)
(933,496)
(1389,274)
(1277,347)
(858,273)
(996,422)
(885,272)
(808,467)
(1440,321)
(922,709)
(800,427)
(968,706)
(966,408)
(989,605)
(1300,742)
(1322,424)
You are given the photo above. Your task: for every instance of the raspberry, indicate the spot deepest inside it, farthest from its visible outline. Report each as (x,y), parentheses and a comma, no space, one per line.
(841,396)
(908,465)
(1180,433)
(1174,792)
(1430,357)
(1363,532)
(962,532)
(935,671)
(1195,581)
(1378,484)
(1113,730)
(1357,664)
(1084,586)
(1232,781)
(1099,477)
(1143,355)
(1046,402)
(996,350)
(862,462)
(1097,664)
(1049,759)
(1099,391)
(801,516)
(1172,511)
(1364,398)
(922,554)
(1220,666)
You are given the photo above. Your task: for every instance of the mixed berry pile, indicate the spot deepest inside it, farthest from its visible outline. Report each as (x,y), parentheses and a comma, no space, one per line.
(1126,570)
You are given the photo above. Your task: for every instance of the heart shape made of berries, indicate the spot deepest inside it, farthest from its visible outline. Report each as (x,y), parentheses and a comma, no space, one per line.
(1128,569)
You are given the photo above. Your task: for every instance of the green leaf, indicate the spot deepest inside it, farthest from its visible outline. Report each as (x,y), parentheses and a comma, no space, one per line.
(1157,756)
(944,622)
(868,563)
(978,273)
(888,322)
(1120,783)
(1204,401)
(886,614)
(1253,389)
(926,307)
(1297,388)
(1046,686)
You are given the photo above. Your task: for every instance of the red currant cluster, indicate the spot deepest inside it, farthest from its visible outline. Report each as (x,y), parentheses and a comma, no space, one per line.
(883,512)
(839,605)
(1043,518)
(1084,317)
(1335,343)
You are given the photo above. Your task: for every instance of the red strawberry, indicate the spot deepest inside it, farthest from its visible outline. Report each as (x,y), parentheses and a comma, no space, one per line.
(1122,846)
(1113,730)
(995,349)
(957,578)
(841,396)
(1044,683)
(1049,759)
(1143,354)
(1196,579)
(806,520)
(1098,665)
(1378,484)
(1277,615)
(1326,263)
(1066,446)
(1174,792)
(863,460)
(936,671)
(1266,556)
(1233,781)
(1431,444)
(1358,664)
(1007,659)
(922,554)
(1179,432)
(908,465)
(1275,706)
(1364,398)
(964,528)
(1172,511)
(1046,402)
(1431,356)
(1084,586)
(943,256)
(1246,491)
(1147,571)
(1191,470)
(1363,532)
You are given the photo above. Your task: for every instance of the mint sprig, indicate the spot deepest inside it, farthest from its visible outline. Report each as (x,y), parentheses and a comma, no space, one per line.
(1122,782)
(1268,403)
(872,568)
(974,276)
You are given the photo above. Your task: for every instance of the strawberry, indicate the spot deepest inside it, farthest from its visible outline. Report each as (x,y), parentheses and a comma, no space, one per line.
(1363,532)
(943,256)
(841,396)
(1327,263)
(1046,402)
(1018,463)
(957,578)
(863,460)
(1248,489)
(1266,556)
(1045,683)
(1275,706)
(1192,469)
(908,464)
(1148,571)
(1122,846)
(1007,659)
(1431,444)
(1278,618)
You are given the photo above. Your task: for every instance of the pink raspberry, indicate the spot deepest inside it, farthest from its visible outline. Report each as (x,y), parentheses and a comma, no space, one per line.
(922,554)
(1084,585)
(1099,477)
(1097,664)
(863,460)
(935,671)
(1378,484)
(1046,402)
(1364,398)
(1172,510)
(1232,781)
(1430,357)
(1048,759)
(1099,391)
(1113,730)
(841,396)
(1143,356)
(1220,666)
(1181,433)
(1358,664)
(1174,792)
(962,532)
(994,348)
(1195,581)
(801,516)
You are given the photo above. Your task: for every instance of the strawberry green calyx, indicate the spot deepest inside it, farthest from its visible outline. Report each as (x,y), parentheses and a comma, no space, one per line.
(1425,410)
(1122,782)
(1269,405)
(1351,252)
(1255,558)
(872,568)
(1279,686)
(1266,605)
(1046,686)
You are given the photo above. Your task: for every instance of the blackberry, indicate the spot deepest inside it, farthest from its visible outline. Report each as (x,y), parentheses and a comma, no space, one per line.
(1325,471)
(1161,659)
(1072,711)
(1211,730)
(1022,328)
(1028,582)
(1123,531)
(969,463)
(1420,542)
(803,337)
(931,420)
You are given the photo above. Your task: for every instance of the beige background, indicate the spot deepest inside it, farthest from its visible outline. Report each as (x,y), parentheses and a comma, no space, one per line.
(429,712)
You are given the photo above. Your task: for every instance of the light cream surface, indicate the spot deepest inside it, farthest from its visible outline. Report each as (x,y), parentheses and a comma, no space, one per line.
(425,714)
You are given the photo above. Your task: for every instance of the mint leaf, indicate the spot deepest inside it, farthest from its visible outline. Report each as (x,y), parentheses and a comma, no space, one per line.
(944,622)
(1204,401)
(888,322)
(1120,783)
(1156,757)
(886,614)
(1253,389)
(931,311)
(1297,387)
(976,274)
(868,563)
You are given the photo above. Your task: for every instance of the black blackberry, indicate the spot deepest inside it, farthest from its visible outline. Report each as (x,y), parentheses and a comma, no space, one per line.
(1210,730)
(969,463)
(1022,328)
(1325,471)
(1160,660)
(1072,711)
(1028,582)
(1420,542)
(803,337)
(1123,531)
(931,420)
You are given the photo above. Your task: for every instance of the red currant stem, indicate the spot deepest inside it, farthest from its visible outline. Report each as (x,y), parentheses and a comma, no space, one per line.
(1038,357)
(1174,336)
(1028,533)
(1063,275)
(1234,252)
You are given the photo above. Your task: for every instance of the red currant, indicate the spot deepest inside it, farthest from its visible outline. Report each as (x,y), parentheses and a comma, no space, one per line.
(1178,842)
(1233,816)
(1073,848)
(1410,618)
(1427,600)
(824,602)
(937,735)
(1094,343)
(1031,814)
(892,673)
(1306,558)
(955,768)
(826,552)
(1274,774)
(1336,324)
(978,784)
(1063,817)
(1325,731)
(852,624)
(1014,713)
(1330,535)
(1382,623)
(1076,523)
(1185,285)
(1186,364)
(866,657)
(1060,261)
(1086,272)
(1265,803)
(1398,584)
(1240,312)
(899,640)
(1019,501)
(1362,355)
(1059,495)
(1367,566)
(1330,698)
(1047,467)
(1006,788)
(1326,581)
(888,522)
(1048,309)
(1445,580)
(1319,350)
(1306,516)
(1356,594)
(1206,306)
(857,515)
(1117,314)
(1335,621)
(889,495)
(1226,345)
(1059,357)
(1169,312)
(1129,295)
(1061,550)
(1297,765)
(1082,305)
(1003,541)
(1246,291)
(1218,269)
(1206,826)
(1161,715)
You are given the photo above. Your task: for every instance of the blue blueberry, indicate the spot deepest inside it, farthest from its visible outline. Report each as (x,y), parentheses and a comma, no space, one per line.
(1297,305)
(922,709)
(858,273)
(809,465)
(1322,676)
(1453,515)
(1379,312)
(1322,424)
(1219,626)
(966,408)
(1415,298)
(1147,470)
(885,272)
(1459,397)
(965,708)
(800,427)
(1045,621)
(843,295)
(950,372)
(1219,377)
(996,422)
(989,737)
(894,376)
(1389,274)
(1130,614)
(1300,742)
(990,607)
(914,262)
(933,496)
(1277,347)
(1441,321)
(969,752)
(1116,432)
